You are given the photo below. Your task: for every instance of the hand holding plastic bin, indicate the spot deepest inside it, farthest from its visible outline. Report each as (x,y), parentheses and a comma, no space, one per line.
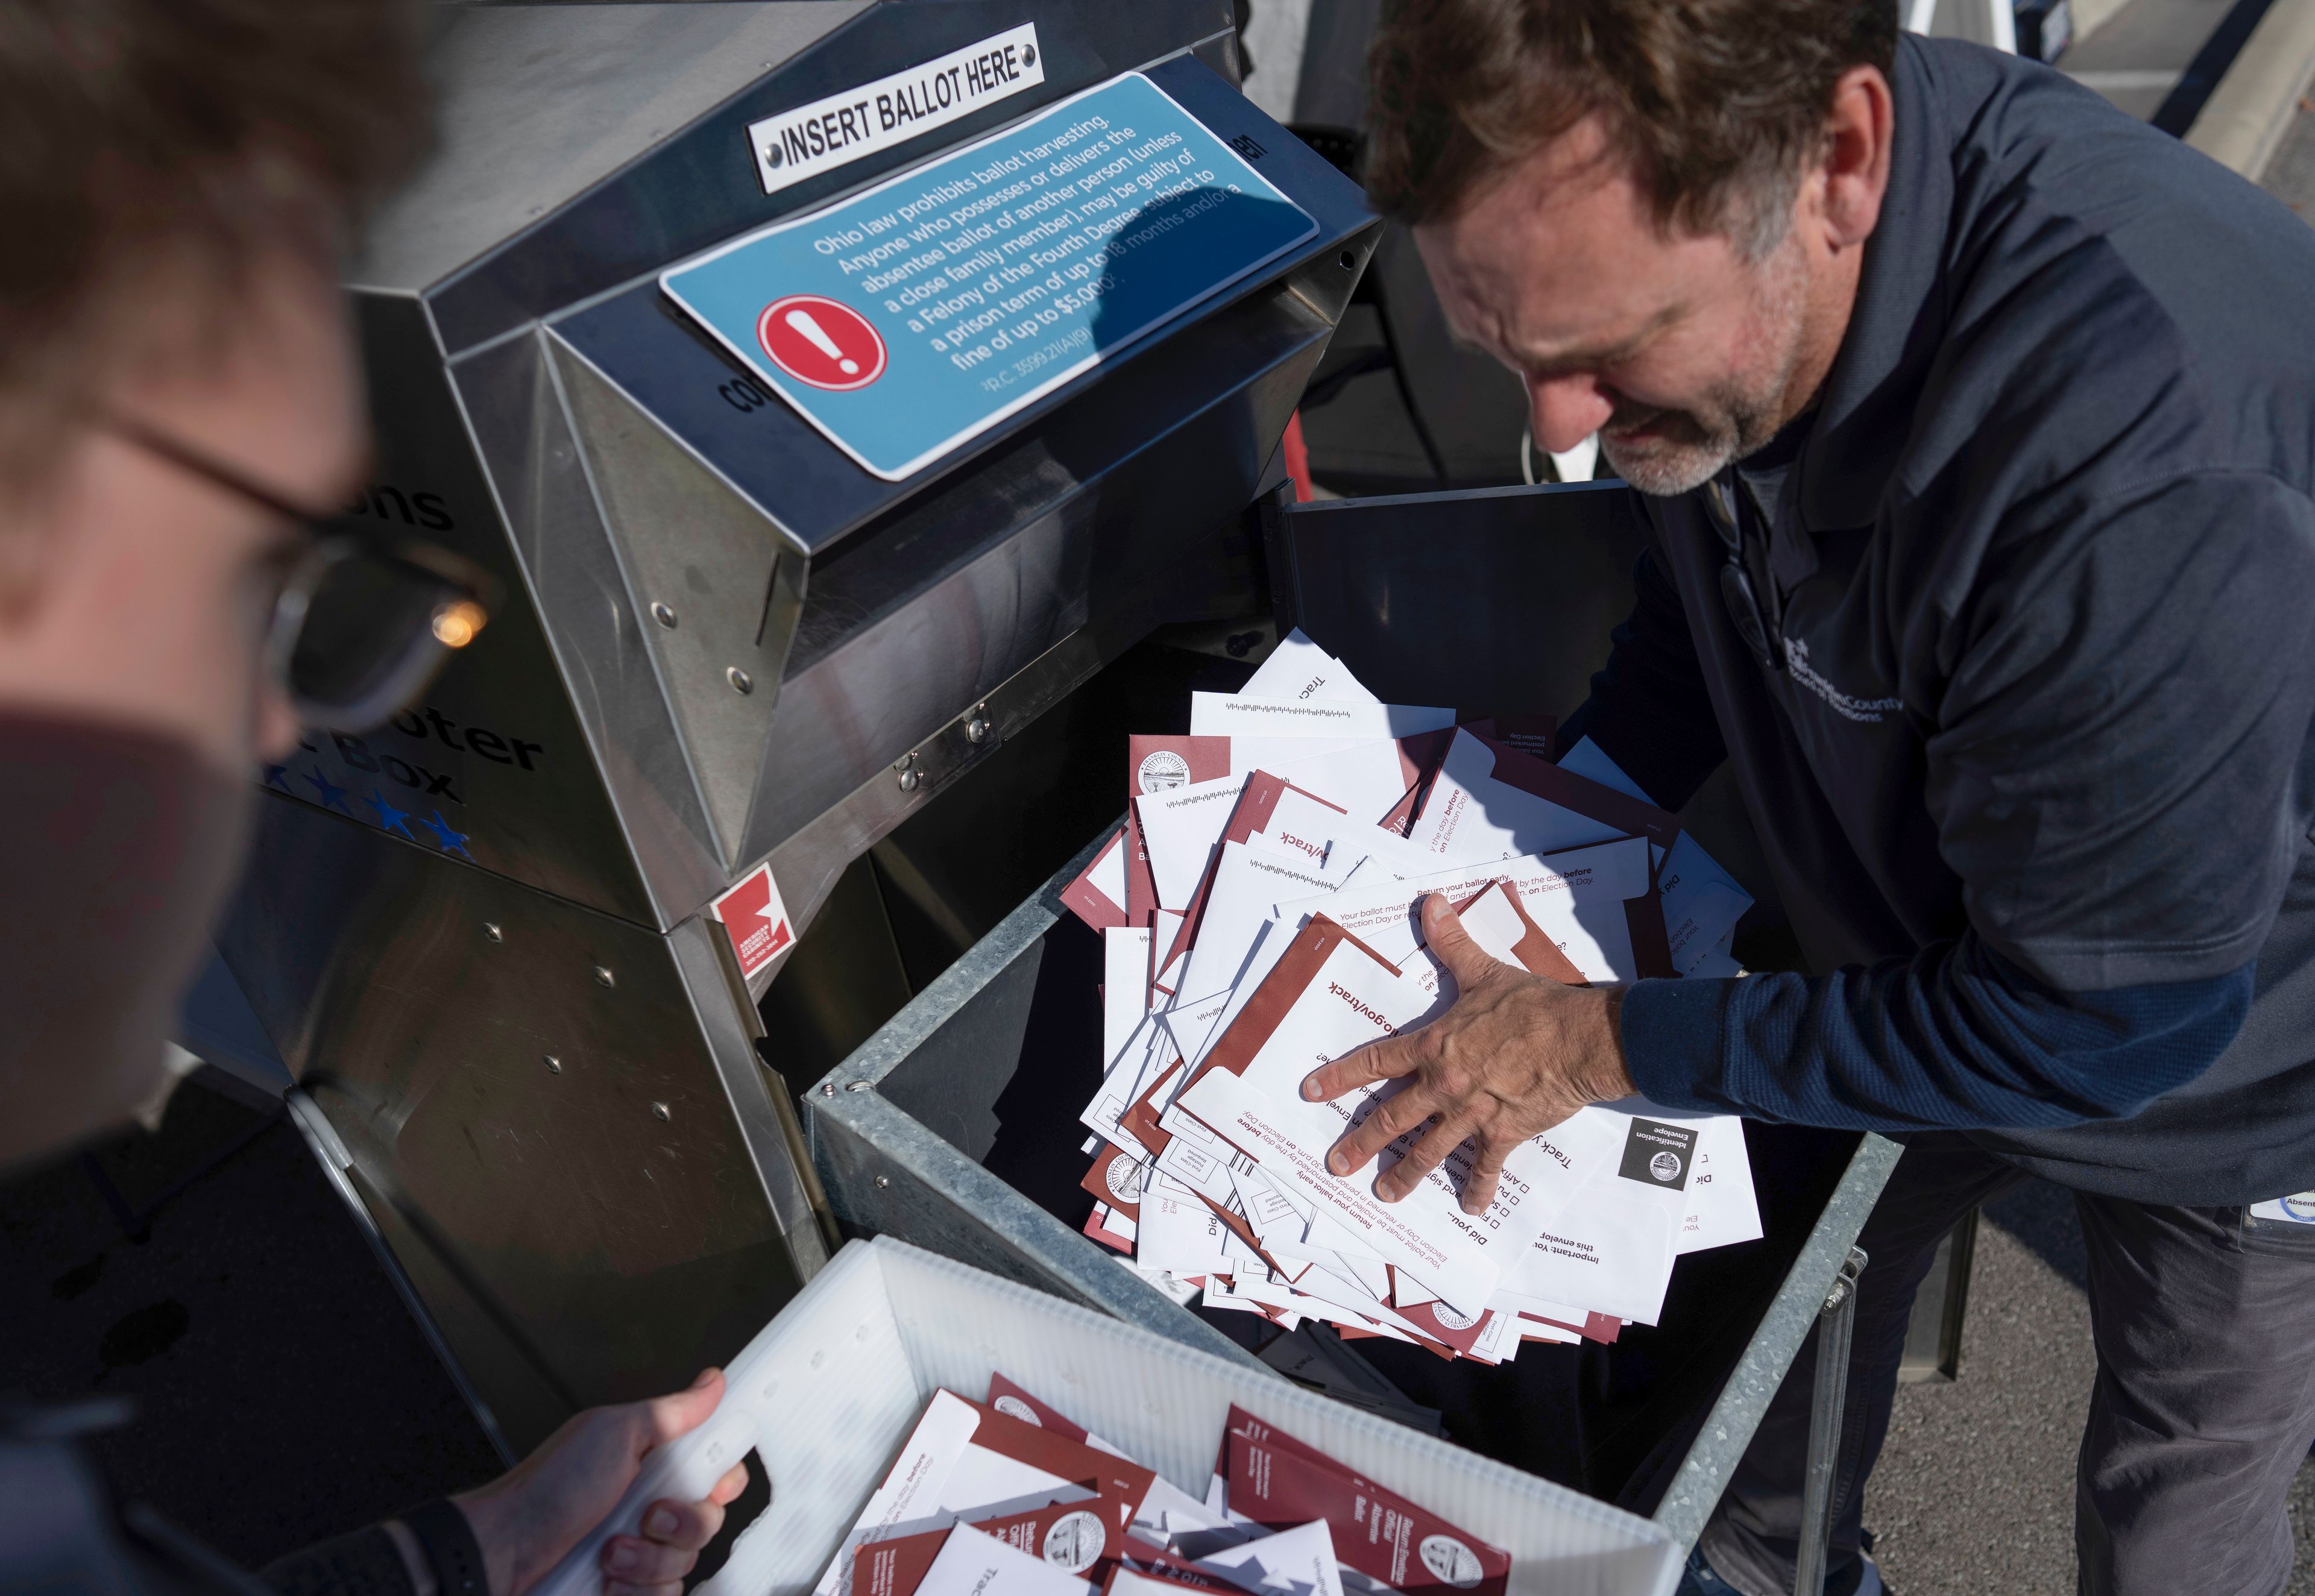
(529,1517)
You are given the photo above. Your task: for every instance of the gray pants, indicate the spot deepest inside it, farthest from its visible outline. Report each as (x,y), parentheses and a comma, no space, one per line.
(2205,1404)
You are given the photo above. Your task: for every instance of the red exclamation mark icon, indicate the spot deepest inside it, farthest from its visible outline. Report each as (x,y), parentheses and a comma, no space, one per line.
(818,340)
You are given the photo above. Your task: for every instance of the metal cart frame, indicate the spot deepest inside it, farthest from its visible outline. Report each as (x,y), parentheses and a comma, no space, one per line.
(886,1172)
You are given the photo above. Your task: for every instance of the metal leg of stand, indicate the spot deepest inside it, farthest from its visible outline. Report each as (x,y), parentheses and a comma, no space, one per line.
(1833,1326)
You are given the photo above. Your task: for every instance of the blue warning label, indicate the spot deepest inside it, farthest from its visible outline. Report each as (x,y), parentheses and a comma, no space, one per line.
(909,319)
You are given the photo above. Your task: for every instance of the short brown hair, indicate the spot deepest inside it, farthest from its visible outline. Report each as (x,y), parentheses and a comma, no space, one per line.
(132,130)
(1713,105)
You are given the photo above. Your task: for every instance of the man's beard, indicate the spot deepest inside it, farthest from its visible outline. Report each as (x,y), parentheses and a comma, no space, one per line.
(1733,419)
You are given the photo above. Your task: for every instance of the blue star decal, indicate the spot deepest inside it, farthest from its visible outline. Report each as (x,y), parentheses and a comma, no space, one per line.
(453,842)
(332,795)
(389,817)
(277,776)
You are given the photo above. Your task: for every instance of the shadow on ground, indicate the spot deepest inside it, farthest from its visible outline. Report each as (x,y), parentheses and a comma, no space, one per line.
(284,1394)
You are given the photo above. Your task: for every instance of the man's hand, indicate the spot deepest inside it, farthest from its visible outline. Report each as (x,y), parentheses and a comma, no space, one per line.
(1516,1054)
(528,1518)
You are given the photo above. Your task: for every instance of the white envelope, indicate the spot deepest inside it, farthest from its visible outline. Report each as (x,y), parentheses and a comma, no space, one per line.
(1500,1332)
(1702,902)
(1304,827)
(1179,829)
(1352,998)
(1533,1329)
(1124,988)
(1190,1020)
(1699,916)
(1277,936)
(1298,668)
(1469,814)
(1603,1254)
(1366,779)
(939,1475)
(1716,1203)
(1197,1158)
(1248,1294)
(1148,1054)
(1718,963)
(1250,878)
(1165,980)
(1267,1212)
(1183,1236)
(971,1564)
(1222,714)
(1723,1209)
(1576,899)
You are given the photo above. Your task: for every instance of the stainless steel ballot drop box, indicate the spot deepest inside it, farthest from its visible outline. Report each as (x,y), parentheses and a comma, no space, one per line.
(730,635)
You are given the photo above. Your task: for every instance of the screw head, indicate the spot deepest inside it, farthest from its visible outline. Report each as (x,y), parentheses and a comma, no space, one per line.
(659,1112)
(604,977)
(490,933)
(553,1065)
(742,682)
(828,1088)
(910,781)
(976,730)
(663,615)
(884,1182)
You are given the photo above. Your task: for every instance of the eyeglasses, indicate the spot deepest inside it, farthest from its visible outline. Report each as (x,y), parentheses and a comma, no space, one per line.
(1756,623)
(359,626)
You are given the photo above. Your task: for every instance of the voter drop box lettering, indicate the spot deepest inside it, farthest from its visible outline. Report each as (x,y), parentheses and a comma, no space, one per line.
(756,921)
(910,318)
(807,140)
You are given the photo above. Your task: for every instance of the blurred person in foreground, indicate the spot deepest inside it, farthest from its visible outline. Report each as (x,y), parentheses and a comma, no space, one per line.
(1973,422)
(179,401)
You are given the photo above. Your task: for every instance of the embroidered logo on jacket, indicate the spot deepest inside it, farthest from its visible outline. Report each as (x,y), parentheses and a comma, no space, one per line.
(1796,661)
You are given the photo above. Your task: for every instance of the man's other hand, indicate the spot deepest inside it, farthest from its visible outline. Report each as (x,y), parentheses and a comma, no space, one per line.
(528,1518)
(1516,1054)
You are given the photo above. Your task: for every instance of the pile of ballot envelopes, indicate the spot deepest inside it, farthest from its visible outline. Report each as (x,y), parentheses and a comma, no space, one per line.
(1260,916)
(1010,1498)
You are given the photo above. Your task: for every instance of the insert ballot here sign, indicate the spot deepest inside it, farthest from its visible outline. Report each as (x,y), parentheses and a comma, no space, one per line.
(915,315)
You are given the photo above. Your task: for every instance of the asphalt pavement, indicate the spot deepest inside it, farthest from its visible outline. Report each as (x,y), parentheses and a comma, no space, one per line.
(1975,1488)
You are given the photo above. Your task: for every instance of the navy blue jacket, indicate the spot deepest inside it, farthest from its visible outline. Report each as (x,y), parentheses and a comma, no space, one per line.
(2031,759)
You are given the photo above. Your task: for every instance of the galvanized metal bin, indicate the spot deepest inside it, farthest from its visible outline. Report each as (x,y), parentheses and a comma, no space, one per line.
(904,1131)
(950,1127)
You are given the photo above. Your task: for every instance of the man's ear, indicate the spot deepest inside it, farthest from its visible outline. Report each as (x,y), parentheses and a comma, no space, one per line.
(1857,132)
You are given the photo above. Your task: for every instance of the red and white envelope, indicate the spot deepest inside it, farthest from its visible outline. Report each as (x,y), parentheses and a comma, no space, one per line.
(1097,895)
(1488,800)
(966,1458)
(1155,764)
(1116,1179)
(1277,1481)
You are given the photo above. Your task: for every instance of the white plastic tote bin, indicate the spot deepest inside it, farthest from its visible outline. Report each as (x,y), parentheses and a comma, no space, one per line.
(826,1393)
